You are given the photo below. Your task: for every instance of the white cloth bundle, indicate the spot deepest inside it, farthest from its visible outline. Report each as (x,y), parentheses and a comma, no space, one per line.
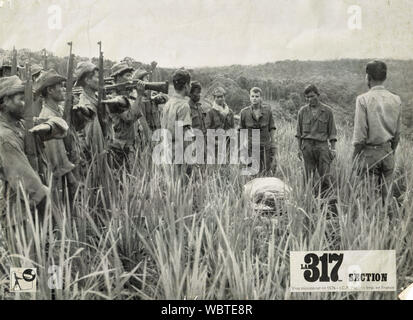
(266,194)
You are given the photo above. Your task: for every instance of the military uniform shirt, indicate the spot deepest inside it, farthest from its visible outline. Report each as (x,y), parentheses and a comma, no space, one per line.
(198,116)
(377,118)
(320,127)
(216,120)
(14,164)
(55,149)
(176,109)
(124,123)
(264,123)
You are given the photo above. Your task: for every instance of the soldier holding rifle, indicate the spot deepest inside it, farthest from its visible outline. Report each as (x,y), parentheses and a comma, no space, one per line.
(151,120)
(19,161)
(91,137)
(50,86)
(123,146)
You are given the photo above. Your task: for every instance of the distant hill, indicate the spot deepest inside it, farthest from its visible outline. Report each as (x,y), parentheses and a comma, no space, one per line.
(339,81)
(283,82)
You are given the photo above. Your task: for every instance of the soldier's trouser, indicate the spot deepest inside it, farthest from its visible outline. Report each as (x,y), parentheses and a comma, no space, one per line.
(66,183)
(317,157)
(378,161)
(122,157)
(267,155)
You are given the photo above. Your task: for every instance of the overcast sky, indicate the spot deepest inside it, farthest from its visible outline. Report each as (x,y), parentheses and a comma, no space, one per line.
(196,33)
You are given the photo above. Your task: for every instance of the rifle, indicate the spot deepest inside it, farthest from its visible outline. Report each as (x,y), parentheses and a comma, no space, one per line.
(101,94)
(30,141)
(153,67)
(69,87)
(129,85)
(14,63)
(45,58)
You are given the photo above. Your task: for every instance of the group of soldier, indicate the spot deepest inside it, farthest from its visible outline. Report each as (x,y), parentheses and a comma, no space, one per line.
(65,149)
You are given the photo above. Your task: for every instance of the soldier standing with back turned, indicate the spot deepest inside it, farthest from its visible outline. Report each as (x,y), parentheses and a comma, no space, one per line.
(377,128)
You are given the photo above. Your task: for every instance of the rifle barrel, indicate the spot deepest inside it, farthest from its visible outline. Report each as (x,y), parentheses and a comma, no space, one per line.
(30,141)
(155,86)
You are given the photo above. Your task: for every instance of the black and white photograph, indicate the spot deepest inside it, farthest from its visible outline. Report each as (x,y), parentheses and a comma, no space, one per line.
(206,150)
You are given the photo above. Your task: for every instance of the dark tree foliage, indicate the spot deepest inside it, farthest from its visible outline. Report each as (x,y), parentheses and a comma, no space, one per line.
(282,82)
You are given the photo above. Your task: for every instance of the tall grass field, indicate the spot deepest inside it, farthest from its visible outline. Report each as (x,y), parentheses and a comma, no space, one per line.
(145,235)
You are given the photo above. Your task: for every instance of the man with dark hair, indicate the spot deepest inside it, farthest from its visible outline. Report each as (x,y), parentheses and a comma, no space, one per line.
(176,115)
(50,85)
(198,113)
(198,116)
(377,127)
(257,116)
(15,168)
(316,129)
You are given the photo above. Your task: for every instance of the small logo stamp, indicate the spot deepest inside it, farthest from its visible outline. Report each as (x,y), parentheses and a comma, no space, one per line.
(23,280)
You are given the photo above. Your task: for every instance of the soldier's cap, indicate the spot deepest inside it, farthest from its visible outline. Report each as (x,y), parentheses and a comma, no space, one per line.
(219,91)
(36,69)
(120,68)
(139,74)
(10,86)
(181,76)
(82,68)
(47,79)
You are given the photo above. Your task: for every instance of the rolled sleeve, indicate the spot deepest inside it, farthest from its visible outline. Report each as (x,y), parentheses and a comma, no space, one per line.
(271,125)
(332,130)
(299,125)
(360,123)
(395,141)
